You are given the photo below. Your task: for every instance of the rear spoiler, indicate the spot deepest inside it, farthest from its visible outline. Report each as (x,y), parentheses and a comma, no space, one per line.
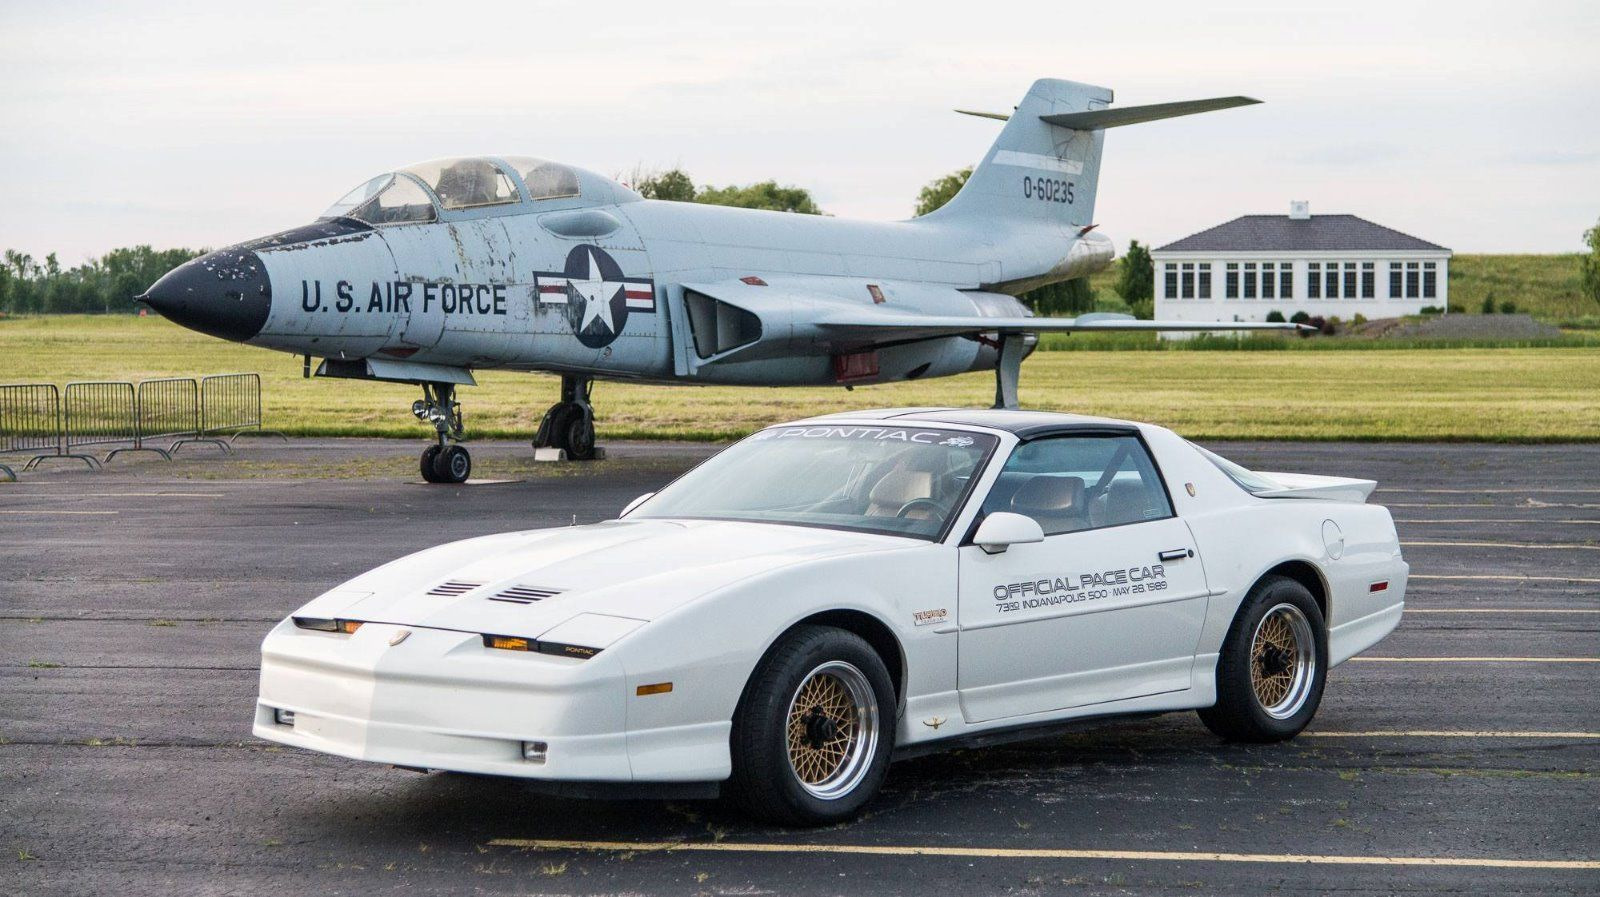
(1305,485)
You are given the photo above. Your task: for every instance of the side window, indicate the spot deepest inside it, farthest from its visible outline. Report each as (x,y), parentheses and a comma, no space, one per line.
(1072,483)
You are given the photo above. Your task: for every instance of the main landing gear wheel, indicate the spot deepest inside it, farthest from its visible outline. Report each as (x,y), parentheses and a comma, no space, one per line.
(569,424)
(447,461)
(814,729)
(1272,667)
(452,464)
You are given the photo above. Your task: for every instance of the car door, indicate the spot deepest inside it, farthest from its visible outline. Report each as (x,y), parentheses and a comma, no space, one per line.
(1109,606)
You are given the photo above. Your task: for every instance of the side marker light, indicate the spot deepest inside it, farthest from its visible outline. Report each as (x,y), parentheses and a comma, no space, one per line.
(658,688)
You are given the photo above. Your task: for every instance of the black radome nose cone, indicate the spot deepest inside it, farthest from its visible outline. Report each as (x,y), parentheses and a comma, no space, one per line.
(225,294)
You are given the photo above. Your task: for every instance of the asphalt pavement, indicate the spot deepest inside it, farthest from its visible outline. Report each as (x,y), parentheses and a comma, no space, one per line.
(1462,754)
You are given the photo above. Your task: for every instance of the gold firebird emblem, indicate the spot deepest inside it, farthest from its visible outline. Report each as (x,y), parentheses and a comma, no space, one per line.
(934,723)
(399,637)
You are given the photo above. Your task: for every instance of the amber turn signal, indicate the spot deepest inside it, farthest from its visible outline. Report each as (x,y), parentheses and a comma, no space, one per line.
(507,643)
(657,688)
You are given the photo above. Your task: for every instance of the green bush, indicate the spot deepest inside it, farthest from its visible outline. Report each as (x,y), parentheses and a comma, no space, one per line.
(1358,320)
(1488,305)
(1300,317)
(1433,310)
(1508,307)
(1274,317)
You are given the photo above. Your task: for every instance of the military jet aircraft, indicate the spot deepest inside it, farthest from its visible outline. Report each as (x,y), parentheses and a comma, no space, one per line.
(424,274)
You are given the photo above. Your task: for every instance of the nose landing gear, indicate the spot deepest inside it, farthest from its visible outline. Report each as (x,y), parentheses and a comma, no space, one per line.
(569,424)
(448,461)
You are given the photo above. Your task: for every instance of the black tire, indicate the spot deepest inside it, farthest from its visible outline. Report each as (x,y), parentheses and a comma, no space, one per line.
(1288,693)
(578,434)
(428,455)
(765,783)
(453,464)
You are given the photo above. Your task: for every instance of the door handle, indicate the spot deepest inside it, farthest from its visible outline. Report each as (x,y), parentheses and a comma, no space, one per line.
(1176,554)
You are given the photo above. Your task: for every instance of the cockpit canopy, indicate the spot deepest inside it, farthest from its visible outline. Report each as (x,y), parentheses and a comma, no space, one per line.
(416,194)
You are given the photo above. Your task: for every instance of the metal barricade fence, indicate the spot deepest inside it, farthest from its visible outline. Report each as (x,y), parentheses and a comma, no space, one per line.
(98,413)
(30,421)
(170,409)
(230,404)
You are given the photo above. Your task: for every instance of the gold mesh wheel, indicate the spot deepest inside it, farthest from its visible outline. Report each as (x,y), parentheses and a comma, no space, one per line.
(1283,661)
(832,729)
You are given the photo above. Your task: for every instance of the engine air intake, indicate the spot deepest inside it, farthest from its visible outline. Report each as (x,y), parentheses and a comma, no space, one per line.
(453,588)
(718,327)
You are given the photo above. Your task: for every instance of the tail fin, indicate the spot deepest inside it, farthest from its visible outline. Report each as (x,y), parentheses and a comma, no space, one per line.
(1045,165)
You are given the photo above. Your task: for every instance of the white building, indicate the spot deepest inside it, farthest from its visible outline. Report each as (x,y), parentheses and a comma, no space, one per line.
(1324,265)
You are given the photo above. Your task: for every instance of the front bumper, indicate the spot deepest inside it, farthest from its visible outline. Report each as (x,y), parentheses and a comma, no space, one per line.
(439,699)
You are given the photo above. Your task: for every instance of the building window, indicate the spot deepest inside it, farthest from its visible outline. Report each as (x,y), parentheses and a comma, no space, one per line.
(1413,287)
(1430,280)
(1330,282)
(1269,280)
(1205,280)
(1171,290)
(1395,289)
(1369,280)
(1232,286)
(1349,280)
(1286,280)
(1188,280)
(1314,280)
(1249,280)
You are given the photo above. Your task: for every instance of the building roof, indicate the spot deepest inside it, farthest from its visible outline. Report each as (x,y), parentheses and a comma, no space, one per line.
(1318,233)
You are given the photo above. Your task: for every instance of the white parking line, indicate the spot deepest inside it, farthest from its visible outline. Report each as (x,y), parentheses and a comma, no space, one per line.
(1574,546)
(1501,577)
(1497,520)
(1442,733)
(1036,853)
(54,511)
(1475,660)
(1538,489)
(1500,610)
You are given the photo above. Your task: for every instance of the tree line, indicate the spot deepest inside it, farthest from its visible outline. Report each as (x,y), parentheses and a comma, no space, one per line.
(99,285)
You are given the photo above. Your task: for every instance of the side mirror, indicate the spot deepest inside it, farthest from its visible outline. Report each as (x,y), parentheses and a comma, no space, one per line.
(636,503)
(1003,529)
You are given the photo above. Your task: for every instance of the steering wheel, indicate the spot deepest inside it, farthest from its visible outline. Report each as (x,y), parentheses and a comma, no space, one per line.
(916,503)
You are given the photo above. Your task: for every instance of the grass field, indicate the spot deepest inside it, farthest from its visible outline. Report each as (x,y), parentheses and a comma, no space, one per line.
(1507,394)
(1546,286)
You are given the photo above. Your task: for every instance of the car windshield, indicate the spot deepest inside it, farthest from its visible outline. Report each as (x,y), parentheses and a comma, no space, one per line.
(877,478)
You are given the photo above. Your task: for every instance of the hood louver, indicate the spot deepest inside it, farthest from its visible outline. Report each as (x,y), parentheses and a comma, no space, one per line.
(524,594)
(453,588)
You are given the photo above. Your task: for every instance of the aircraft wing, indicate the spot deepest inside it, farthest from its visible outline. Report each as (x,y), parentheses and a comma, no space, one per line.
(873,326)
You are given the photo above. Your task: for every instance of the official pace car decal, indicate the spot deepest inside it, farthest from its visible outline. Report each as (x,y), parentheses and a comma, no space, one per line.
(596,295)
(1079,588)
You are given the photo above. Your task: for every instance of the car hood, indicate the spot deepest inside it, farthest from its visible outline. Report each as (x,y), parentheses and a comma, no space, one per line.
(621,573)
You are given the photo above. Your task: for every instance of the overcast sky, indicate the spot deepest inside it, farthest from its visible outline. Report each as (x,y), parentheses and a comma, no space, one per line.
(1472,124)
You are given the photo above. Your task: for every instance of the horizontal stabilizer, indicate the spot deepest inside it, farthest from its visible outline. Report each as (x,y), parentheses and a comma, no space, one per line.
(1097,119)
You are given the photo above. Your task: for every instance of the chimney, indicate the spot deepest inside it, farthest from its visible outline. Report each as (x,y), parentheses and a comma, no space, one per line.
(1299,210)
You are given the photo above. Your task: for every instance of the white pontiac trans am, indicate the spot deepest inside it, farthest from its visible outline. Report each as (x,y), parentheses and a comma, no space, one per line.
(824,596)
